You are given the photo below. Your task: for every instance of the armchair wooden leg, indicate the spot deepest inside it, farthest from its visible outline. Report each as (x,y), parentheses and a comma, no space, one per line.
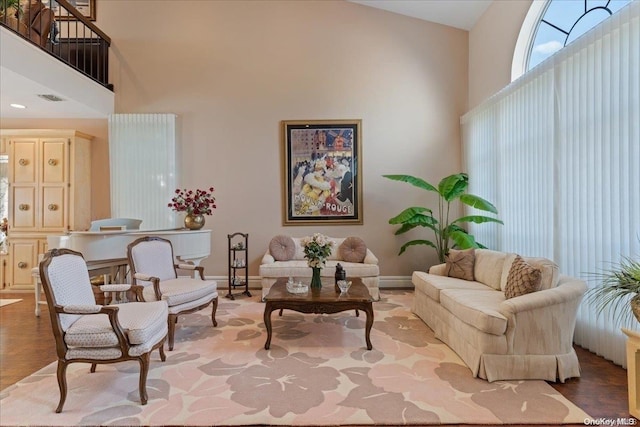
(93,367)
(213,312)
(173,318)
(163,357)
(62,384)
(144,370)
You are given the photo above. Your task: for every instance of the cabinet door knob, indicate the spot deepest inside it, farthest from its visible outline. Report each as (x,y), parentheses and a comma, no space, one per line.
(23,207)
(22,264)
(52,162)
(52,207)
(23,162)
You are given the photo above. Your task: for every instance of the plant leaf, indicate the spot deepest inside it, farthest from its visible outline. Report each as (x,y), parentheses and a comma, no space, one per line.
(419,220)
(478,203)
(405,227)
(408,214)
(414,243)
(616,286)
(463,240)
(478,219)
(453,186)
(417,182)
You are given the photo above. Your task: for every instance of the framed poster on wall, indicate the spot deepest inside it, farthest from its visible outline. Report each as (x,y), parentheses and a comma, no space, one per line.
(322,172)
(86,7)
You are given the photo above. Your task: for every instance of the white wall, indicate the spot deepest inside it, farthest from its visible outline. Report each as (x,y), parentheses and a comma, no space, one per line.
(491,44)
(233,70)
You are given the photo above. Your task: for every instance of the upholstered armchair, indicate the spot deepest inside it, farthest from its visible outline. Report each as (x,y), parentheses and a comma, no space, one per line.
(153,267)
(36,21)
(90,333)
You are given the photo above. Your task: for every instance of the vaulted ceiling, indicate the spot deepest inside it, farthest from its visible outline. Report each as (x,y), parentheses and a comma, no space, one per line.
(461,14)
(22,79)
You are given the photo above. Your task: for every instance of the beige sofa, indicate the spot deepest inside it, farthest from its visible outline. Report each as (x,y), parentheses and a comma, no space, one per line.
(525,337)
(367,270)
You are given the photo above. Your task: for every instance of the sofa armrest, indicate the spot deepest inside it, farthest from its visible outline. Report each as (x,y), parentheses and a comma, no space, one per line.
(267,258)
(567,290)
(438,269)
(370,258)
(543,322)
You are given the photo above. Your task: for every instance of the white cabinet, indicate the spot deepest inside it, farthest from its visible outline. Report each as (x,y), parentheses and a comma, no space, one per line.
(49,193)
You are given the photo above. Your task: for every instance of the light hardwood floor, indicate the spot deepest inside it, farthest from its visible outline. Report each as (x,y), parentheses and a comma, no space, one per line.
(27,345)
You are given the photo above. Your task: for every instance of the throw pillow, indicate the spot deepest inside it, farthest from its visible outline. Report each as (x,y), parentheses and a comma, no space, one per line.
(459,264)
(523,279)
(353,249)
(282,248)
(548,269)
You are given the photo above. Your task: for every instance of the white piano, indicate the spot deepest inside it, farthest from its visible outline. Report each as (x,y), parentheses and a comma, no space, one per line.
(188,245)
(108,249)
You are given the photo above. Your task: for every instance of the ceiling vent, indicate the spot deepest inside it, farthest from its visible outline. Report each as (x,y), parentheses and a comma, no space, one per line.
(52,98)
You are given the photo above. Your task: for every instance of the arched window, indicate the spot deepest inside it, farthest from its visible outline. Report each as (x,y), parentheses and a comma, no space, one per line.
(552,24)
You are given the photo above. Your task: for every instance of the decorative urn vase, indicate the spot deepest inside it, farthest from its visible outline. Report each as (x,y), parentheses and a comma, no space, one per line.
(340,275)
(635,306)
(194,222)
(316,283)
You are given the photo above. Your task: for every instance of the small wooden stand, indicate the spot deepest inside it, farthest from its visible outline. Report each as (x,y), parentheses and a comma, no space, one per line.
(238,263)
(633,371)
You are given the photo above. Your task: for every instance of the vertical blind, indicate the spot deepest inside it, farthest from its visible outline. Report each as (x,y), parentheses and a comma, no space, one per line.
(558,151)
(142,159)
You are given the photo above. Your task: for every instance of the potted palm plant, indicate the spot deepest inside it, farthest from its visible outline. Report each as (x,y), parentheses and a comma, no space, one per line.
(448,232)
(617,288)
(10,11)
(9,7)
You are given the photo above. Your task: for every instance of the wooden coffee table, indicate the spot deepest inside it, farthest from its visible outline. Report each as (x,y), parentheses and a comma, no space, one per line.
(324,301)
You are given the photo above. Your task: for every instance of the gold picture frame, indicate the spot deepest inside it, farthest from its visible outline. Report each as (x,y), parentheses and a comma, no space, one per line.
(322,172)
(86,7)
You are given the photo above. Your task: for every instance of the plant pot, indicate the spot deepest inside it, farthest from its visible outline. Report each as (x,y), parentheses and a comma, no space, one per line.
(635,306)
(10,20)
(194,222)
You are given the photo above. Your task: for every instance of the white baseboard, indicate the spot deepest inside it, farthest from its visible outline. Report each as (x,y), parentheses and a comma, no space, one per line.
(386,282)
(391,282)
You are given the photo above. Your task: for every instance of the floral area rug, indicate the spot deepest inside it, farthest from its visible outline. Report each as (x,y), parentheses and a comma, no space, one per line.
(317,372)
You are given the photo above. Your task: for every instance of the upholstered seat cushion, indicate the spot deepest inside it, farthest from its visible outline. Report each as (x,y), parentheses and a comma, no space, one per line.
(488,266)
(177,309)
(299,268)
(141,321)
(432,284)
(182,290)
(479,309)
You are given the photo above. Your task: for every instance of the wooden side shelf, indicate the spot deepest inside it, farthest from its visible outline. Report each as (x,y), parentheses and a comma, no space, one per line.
(238,264)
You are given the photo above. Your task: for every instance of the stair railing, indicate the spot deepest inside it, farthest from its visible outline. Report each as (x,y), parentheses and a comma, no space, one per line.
(62,31)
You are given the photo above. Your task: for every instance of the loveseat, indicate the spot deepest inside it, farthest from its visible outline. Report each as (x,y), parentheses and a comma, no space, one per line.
(528,336)
(285,258)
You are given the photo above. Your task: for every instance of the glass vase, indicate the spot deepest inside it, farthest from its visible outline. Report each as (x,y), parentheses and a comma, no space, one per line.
(316,283)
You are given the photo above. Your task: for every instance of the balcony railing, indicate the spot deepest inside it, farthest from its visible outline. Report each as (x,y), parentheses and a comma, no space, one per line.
(62,31)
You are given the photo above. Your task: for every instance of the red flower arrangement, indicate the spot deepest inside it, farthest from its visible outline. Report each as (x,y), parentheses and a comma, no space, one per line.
(198,202)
